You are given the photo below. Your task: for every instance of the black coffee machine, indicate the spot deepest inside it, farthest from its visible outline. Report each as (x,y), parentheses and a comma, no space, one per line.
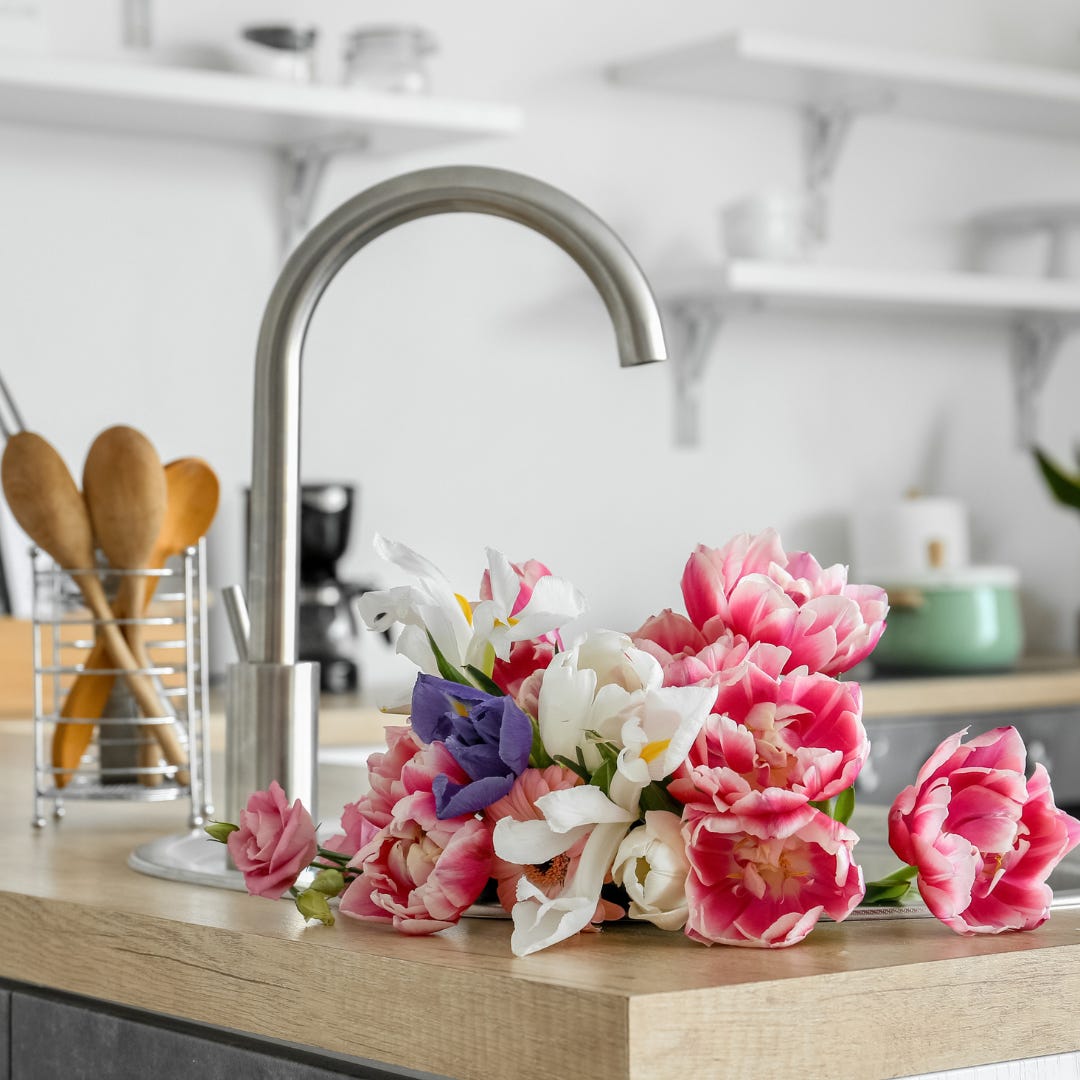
(328,628)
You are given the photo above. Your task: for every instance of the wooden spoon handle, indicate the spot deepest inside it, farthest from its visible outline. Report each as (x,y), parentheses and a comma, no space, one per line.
(142,688)
(84,701)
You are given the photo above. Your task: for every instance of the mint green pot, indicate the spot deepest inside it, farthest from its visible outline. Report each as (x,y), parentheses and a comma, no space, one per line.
(955,622)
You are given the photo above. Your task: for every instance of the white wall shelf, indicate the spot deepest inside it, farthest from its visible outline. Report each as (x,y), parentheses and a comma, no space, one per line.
(831,83)
(1039,314)
(754,283)
(809,72)
(306,124)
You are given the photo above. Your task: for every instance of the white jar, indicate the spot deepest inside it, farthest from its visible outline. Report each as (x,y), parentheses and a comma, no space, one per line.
(389,58)
(772,225)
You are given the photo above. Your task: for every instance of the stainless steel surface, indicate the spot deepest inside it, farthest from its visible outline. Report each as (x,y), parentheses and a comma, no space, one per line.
(60,625)
(273,546)
(282,744)
(194,859)
(232,596)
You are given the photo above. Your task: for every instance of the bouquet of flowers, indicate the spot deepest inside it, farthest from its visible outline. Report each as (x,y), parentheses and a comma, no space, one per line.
(697,773)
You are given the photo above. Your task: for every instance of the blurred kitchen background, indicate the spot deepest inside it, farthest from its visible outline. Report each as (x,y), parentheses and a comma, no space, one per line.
(461,372)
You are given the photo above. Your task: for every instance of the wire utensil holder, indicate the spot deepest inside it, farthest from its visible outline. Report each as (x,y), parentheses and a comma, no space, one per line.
(116,763)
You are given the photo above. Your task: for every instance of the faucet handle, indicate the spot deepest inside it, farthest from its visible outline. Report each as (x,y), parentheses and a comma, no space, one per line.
(239,620)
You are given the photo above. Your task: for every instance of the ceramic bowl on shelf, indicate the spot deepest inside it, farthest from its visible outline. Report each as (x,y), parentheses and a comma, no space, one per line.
(276,52)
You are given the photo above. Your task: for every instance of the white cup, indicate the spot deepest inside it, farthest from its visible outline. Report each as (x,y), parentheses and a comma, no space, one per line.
(775,225)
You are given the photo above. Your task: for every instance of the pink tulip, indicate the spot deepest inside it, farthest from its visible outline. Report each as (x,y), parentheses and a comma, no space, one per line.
(421,872)
(384,775)
(767,892)
(754,589)
(526,659)
(984,840)
(274,844)
(669,637)
(520,804)
(772,745)
(358,831)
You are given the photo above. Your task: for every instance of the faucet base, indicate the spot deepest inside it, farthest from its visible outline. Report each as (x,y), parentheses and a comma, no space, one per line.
(271,713)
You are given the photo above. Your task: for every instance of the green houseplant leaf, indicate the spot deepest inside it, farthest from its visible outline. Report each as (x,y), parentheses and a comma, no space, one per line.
(1064,488)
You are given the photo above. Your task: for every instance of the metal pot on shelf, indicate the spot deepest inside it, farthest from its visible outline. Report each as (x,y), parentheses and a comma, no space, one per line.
(958,620)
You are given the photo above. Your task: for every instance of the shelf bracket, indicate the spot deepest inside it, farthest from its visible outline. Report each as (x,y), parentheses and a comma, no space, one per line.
(825,130)
(303,167)
(1036,342)
(692,324)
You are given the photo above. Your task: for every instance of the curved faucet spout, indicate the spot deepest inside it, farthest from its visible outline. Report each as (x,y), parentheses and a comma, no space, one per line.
(275,484)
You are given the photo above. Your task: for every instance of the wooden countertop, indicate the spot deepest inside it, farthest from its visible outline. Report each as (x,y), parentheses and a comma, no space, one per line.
(1041,683)
(855,1000)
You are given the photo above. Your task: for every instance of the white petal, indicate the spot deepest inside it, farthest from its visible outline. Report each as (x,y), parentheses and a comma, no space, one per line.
(673,715)
(667,828)
(505,585)
(539,923)
(583,805)
(384,607)
(407,559)
(531,842)
(413,643)
(564,705)
(554,601)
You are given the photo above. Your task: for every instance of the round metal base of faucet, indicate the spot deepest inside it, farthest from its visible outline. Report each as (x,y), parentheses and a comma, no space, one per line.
(190,857)
(194,859)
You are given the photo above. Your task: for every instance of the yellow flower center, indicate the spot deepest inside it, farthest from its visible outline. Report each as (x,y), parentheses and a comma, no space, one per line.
(466,607)
(653,750)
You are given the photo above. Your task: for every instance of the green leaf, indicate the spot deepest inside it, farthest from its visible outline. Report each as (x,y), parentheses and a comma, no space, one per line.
(844,805)
(539,758)
(1064,488)
(656,797)
(603,776)
(446,669)
(484,682)
(573,766)
(891,889)
(839,808)
(607,751)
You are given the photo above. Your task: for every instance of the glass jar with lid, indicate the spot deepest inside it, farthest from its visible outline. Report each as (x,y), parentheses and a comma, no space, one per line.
(389,58)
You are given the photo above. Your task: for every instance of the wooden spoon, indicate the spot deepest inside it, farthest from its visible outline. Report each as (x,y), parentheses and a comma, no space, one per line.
(124,488)
(192,499)
(191,503)
(47,504)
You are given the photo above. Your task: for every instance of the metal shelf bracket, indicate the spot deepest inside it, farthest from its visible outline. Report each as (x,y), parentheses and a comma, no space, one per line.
(303,167)
(692,325)
(1036,342)
(826,125)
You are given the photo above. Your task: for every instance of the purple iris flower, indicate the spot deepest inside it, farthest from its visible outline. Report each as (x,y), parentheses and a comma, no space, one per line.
(488,736)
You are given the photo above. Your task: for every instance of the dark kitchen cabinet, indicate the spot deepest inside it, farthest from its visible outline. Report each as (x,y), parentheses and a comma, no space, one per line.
(44,1036)
(5,1028)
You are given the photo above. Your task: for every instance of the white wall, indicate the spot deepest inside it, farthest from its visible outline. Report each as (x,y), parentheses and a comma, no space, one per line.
(463,371)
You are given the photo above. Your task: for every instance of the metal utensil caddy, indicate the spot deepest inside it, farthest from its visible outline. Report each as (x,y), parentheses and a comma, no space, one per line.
(61,626)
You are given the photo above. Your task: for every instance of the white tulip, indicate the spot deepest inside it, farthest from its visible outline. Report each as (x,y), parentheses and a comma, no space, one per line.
(652,867)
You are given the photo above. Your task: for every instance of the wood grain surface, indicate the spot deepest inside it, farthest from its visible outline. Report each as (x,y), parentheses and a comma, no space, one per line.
(857,1000)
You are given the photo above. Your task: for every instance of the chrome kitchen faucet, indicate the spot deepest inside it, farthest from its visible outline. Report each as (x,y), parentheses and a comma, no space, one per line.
(271,699)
